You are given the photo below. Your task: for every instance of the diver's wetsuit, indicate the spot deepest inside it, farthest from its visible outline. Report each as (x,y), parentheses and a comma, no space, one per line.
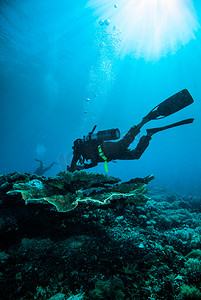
(111,150)
(119,150)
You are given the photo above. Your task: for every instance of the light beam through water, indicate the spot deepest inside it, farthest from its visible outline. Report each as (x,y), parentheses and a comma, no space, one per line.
(150,28)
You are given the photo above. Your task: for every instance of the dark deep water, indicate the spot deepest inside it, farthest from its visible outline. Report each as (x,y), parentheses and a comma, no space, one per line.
(55,55)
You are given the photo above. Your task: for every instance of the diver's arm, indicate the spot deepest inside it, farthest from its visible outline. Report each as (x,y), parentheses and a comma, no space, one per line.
(75,167)
(74,161)
(91,165)
(41,163)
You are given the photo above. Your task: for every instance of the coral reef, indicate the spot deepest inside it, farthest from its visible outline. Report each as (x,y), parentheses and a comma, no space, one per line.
(66,191)
(115,240)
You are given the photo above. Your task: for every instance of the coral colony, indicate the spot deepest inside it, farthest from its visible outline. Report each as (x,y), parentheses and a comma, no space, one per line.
(86,235)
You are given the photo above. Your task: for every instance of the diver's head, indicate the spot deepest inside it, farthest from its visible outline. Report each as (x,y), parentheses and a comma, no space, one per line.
(77,144)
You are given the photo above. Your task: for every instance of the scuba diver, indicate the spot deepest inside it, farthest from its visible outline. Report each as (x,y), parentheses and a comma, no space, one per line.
(97,147)
(41,169)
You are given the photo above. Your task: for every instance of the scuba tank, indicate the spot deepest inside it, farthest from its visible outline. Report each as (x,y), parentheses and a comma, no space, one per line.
(103,135)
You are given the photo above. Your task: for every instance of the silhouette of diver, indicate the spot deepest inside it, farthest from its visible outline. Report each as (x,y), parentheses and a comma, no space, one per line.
(41,169)
(97,147)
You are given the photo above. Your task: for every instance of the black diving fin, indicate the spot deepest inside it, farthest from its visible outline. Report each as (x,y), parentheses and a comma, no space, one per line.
(155,130)
(170,105)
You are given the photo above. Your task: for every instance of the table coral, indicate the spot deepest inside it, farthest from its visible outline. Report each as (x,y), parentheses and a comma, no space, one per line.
(67,191)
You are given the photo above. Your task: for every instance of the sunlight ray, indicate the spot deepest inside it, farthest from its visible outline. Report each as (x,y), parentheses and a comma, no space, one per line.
(150,28)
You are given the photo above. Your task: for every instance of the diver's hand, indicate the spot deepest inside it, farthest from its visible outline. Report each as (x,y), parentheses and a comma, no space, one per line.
(79,168)
(76,168)
(69,169)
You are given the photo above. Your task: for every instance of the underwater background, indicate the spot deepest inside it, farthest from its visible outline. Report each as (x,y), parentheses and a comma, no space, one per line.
(64,70)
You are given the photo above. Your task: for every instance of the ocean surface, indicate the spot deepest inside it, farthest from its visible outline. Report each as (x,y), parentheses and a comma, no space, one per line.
(69,65)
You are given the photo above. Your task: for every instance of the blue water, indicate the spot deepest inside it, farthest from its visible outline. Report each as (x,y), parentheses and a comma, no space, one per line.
(55,55)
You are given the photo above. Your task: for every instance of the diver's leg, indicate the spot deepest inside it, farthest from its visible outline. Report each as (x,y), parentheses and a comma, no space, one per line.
(113,150)
(138,151)
(49,167)
(129,137)
(166,108)
(52,164)
(144,141)
(142,145)
(125,142)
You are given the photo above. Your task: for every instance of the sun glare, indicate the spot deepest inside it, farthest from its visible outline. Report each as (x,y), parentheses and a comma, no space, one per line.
(149,28)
